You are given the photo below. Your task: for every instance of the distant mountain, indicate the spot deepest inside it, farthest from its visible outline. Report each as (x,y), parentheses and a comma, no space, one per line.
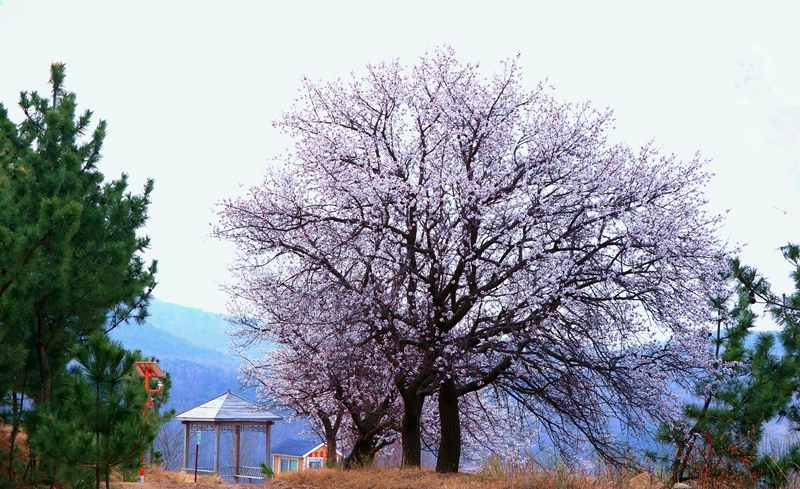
(203,328)
(159,342)
(190,345)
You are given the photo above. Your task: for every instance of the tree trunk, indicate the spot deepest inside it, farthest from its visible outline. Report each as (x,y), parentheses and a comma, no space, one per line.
(331,432)
(16,408)
(411,430)
(679,464)
(14,433)
(450,425)
(41,350)
(360,455)
(330,442)
(97,464)
(31,462)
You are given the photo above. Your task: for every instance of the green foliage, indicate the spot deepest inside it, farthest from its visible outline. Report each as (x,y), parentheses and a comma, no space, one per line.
(268,473)
(752,386)
(69,254)
(98,422)
(70,257)
(331,464)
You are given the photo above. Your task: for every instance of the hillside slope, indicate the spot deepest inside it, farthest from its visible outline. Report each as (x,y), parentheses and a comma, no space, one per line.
(190,345)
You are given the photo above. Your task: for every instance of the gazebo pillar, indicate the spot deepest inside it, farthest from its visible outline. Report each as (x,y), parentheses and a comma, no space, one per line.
(268,447)
(185,446)
(217,434)
(237,435)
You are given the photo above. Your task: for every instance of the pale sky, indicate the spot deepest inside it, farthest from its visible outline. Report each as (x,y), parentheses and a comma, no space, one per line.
(190,88)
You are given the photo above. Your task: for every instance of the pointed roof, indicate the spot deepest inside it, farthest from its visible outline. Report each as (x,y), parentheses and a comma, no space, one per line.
(228,407)
(296,447)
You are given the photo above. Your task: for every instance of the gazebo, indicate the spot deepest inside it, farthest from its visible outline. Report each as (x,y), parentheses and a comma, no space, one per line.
(229,413)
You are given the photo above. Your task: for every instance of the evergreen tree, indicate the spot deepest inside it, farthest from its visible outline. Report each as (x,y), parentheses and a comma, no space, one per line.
(70,259)
(755,382)
(98,422)
(785,310)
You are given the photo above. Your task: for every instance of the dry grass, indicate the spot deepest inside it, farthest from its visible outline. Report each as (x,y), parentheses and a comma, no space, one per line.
(156,475)
(426,479)
(20,446)
(158,478)
(21,442)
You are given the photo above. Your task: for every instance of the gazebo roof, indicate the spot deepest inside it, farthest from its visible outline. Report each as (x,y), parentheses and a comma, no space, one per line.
(227,408)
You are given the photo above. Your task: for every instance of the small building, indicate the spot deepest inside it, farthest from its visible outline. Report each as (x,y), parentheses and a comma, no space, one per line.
(295,454)
(229,413)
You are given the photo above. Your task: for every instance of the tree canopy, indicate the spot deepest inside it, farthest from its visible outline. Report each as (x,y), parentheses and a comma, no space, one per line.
(71,260)
(475,234)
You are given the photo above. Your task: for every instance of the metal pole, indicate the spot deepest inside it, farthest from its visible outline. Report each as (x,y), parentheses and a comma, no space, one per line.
(197,453)
(146,405)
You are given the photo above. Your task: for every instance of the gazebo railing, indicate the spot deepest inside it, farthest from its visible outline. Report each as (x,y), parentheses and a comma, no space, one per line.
(242,473)
(200,470)
(228,472)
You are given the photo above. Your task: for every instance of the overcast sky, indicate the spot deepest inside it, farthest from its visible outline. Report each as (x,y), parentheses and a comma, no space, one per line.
(189,90)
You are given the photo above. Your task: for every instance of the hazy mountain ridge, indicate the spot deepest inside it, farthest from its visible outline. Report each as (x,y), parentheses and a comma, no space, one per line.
(202,328)
(161,343)
(190,345)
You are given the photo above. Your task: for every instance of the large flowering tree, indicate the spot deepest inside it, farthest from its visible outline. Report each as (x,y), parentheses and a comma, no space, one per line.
(476,234)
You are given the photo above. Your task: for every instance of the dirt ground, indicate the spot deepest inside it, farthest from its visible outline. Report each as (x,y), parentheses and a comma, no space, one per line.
(158,478)
(183,485)
(410,479)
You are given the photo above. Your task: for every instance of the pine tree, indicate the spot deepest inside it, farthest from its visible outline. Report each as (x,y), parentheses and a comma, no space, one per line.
(98,422)
(785,310)
(755,383)
(70,258)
